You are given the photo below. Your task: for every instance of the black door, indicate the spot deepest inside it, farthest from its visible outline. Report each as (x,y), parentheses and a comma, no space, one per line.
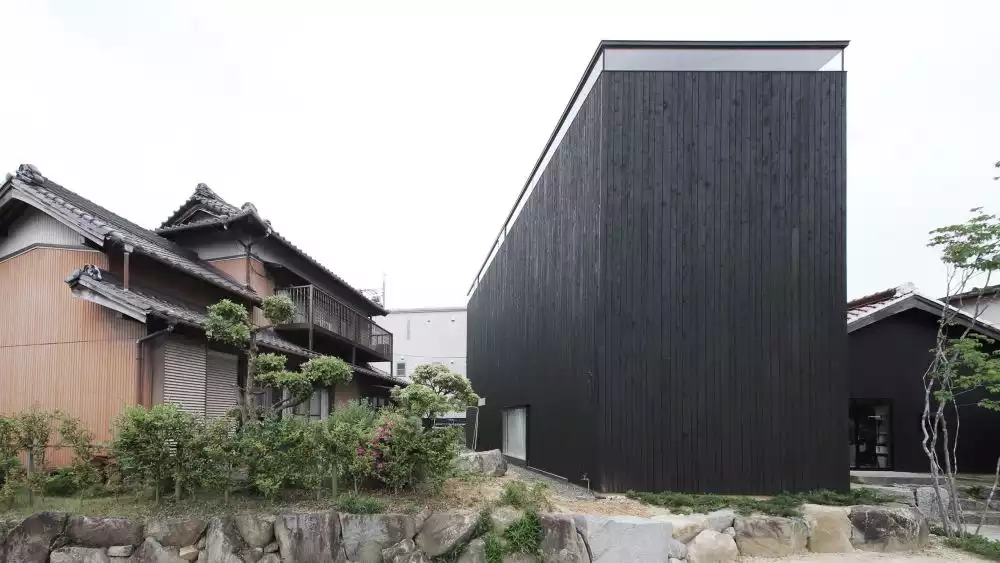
(871,434)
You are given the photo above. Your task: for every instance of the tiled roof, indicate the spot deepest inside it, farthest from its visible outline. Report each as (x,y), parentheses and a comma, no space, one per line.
(205,196)
(149,303)
(102,225)
(872,308)
(870,304)
(229,213)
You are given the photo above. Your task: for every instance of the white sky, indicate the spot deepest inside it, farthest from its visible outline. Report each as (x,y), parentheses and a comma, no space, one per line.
(394,136)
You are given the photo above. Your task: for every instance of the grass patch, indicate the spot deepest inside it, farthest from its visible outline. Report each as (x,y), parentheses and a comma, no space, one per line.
(524,535)
(984,547)
(359,504)
(785,504)
(495,548)
(518,495)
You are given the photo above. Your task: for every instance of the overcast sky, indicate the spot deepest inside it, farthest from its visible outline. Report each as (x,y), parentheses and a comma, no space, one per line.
(394,136)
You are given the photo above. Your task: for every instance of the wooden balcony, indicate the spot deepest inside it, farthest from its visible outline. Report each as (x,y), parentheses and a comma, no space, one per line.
(317,310)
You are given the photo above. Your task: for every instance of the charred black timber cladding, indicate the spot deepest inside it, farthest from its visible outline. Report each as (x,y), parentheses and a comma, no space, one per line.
(669,304)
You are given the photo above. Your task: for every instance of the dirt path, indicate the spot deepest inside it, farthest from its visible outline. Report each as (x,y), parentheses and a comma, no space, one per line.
(935,552)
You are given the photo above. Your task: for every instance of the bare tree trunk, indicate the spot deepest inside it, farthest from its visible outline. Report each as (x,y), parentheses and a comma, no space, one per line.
(31,480)
(989,498)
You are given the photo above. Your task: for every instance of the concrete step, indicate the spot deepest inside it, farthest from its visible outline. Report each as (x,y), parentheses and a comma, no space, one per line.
(889,478)
(977,505)
(992,517)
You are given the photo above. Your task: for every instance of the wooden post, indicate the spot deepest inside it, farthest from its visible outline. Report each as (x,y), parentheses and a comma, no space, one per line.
(311,317)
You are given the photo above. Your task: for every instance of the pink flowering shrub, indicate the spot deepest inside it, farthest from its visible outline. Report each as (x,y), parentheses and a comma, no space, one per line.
(393,450)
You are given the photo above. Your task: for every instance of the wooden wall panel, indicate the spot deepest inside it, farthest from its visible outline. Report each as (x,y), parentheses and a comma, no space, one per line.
(158,277)
(887,362)
(259,280)
(531,335)
(60,352)
(692,338)
(236,268)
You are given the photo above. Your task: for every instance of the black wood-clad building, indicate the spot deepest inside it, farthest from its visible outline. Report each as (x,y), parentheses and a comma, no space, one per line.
(891,335)
(664,307)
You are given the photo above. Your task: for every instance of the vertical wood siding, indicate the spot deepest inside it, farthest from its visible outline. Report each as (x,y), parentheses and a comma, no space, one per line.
(184,378)
(706,300)
(60,352)
(531,321)
(259,280)
(887,361)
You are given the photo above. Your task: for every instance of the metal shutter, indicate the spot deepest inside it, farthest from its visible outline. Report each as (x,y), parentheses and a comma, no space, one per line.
(184,376)
(221,383)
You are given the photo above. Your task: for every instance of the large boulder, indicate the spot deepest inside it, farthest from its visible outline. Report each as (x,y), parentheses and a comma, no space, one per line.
(475,552)
(366,535)
(719,520)
(490,462)
(829,528)
(687,526)
(886,528)
(7,526)
(770,536)
(103,531)
(561,542)
(710,546)
(79,555)
(255,529)
(120,550)
(927,502)
(152,552)
(189,553)
(443,530)
(304,537)
(177,532)
(31,540)
(502,517)
(628,538)
(222,542)
(405,551)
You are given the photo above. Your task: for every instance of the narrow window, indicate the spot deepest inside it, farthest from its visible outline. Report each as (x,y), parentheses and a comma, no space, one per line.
(400,368)
(407,329)
(515,432)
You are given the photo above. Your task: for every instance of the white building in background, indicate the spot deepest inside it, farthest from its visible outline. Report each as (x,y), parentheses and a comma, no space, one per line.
(425,336)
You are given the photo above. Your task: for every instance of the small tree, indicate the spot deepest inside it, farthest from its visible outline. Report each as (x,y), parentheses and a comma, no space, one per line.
(11,472)
(153,445)
(81,442)
(230,323)
(35,430)
(963,360)
(435,390)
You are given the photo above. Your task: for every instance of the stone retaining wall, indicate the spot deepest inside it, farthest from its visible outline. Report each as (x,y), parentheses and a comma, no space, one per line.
(310,537)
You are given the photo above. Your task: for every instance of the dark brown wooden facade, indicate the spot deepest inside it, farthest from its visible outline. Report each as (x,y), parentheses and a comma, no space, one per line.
(669,304)
(97,313)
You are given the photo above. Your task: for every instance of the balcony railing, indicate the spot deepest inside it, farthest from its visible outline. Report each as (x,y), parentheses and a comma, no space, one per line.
(313,305)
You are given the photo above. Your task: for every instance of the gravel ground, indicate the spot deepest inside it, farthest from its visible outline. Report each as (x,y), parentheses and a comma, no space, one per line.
(933,553)
(559,487)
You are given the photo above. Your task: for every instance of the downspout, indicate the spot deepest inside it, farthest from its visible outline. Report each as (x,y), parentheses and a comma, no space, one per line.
(138,361)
